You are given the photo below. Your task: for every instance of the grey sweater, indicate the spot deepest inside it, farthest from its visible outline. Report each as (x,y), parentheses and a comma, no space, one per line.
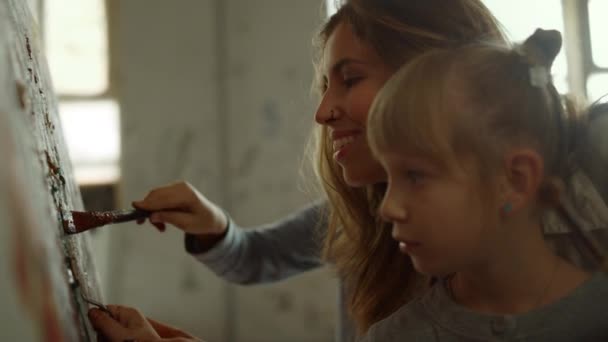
(265,254)
(271,253)
(290,246)
(434,316)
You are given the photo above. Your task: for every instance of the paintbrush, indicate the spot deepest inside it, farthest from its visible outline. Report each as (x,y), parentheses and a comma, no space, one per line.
(81,221)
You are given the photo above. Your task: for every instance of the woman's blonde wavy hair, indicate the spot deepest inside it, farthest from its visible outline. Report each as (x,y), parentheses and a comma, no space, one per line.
(377,278)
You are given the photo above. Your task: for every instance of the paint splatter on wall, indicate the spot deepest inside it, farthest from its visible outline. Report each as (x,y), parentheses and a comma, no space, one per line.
(44,274)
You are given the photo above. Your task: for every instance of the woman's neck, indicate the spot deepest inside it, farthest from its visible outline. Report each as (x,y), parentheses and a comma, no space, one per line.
(519,276)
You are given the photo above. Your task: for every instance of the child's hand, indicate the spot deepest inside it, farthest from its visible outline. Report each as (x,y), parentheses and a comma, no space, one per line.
(126,324)
(183,206)
(131,325)
(169,333)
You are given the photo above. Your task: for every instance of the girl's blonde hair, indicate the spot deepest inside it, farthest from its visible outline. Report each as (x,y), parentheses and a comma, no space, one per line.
(378,279)
(480,100)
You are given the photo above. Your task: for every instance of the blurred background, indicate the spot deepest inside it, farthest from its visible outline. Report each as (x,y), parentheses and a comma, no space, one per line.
(217,92)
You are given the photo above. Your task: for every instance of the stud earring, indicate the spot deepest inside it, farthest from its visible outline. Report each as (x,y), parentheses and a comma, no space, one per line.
(507,208)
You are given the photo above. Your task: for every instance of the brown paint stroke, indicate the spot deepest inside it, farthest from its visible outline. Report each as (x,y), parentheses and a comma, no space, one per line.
(28,47)
(52,167)
(21,94)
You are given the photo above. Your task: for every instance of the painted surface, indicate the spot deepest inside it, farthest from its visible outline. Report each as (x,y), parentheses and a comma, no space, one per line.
(43,272)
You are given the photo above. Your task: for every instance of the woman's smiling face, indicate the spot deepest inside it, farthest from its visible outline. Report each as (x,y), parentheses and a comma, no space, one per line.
(353,74)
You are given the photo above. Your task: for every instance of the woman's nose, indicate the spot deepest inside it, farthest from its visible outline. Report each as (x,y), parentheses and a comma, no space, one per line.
(328,109)
(324,114)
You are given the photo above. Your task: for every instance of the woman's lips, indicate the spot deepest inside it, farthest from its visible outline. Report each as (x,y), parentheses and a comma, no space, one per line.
(342,141)
(335,135)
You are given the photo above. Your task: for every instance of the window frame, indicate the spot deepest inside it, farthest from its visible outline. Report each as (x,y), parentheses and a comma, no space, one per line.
(581,65)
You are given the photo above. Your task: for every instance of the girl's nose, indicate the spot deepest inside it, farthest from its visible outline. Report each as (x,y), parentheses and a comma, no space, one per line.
(392,211)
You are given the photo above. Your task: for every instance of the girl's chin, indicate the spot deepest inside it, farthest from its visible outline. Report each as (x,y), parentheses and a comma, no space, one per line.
(358,178)
(430,269)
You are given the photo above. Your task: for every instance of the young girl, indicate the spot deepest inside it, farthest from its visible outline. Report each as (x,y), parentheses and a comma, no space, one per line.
(478,148)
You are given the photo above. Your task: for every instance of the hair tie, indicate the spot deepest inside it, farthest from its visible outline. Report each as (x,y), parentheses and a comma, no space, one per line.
(539,76)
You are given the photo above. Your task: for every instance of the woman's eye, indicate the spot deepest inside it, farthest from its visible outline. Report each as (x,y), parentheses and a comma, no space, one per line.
(323,85)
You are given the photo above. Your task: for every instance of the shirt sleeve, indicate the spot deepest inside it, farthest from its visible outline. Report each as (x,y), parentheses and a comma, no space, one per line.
(267,253)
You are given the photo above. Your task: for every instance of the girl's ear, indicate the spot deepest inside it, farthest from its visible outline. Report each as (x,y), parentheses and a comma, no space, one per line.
(524,174)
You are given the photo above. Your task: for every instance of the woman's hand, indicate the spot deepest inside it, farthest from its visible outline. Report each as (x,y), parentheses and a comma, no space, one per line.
(181,205)
(128,324)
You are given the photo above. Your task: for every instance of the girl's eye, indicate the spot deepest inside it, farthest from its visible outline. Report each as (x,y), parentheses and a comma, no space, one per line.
(351,81)
(414,176)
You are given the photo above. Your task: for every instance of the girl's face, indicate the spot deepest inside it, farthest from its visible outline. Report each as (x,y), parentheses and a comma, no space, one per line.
(353,74)
(437,214)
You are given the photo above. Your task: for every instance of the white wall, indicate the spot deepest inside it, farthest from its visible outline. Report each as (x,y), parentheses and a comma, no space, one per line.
(216,93)
(34,7)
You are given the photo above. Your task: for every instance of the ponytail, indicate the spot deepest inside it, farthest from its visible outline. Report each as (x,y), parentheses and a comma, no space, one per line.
(576,192)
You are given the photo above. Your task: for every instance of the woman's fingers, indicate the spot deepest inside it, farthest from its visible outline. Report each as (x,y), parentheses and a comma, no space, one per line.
(182,206)
(160,226)
(179,219)
(178,195)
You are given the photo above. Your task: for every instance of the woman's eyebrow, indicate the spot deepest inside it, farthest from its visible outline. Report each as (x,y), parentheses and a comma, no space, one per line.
(339,65)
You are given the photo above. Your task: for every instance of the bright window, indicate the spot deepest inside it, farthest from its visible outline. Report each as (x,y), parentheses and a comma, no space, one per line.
(331,6)
(77,46)
(597,81)
(597,86)
(76,41)
(91,129)
(598,26)
(521,18)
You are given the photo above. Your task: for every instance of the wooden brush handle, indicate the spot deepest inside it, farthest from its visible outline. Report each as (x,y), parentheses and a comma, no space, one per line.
(118,216)
(85,220)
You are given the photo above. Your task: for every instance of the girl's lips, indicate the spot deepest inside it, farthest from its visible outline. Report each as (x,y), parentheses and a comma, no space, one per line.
(408,247)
